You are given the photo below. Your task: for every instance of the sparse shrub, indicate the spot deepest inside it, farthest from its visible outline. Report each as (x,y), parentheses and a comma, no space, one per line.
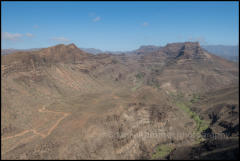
(162,151)
(114,61)
(195,98)
(140,75)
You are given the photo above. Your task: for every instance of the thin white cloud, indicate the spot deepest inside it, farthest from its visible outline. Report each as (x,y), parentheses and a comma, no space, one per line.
(29,35)
(145,24)
(98,18)
(60,39)
(11,36)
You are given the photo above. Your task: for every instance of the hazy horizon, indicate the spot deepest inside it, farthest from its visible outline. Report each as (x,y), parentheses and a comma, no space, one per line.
(115,50)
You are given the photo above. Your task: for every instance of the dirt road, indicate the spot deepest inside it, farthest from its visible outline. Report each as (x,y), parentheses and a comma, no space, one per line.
(39,133)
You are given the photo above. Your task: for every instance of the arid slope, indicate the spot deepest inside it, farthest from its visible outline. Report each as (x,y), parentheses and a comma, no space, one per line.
(63,103)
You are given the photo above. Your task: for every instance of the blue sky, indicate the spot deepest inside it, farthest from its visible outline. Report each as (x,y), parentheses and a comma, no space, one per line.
(117,25)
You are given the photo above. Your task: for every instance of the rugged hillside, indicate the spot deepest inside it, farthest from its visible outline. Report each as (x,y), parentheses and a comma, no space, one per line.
(187,68)
(221,109)
(63,103)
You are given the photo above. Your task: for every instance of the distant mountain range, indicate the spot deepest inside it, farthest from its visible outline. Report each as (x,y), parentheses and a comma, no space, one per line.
(92,50)
(228,52)
(225,51)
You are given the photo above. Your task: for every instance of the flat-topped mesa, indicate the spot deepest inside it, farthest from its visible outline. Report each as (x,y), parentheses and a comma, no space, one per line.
(192,46)
(185,50)
(176,47)
(172,49)
(190,50)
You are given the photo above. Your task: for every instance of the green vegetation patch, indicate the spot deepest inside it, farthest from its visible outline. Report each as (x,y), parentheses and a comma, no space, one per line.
(184,105)
(138,84)
(177,97)
(195,98)
(201,124)
(139,81)
(140,75)
(154,84)
(162,151)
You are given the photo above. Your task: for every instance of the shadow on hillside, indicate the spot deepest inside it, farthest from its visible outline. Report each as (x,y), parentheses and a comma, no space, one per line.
(211,149)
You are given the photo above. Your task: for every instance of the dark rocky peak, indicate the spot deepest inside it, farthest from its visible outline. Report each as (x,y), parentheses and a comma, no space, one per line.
(176,47)
(186,50)
(190,50)
(172,49)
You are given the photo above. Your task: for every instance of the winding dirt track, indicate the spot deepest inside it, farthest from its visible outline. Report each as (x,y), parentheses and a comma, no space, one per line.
(38,133)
